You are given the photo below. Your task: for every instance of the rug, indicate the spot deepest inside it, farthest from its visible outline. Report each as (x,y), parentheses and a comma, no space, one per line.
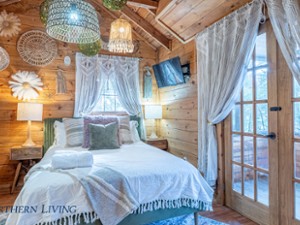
(181,220)
(187,220)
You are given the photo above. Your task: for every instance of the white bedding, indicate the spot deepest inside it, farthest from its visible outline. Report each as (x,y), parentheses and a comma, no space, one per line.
(153,175)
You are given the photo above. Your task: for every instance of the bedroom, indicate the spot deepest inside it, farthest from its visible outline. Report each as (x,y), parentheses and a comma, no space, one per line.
(257,157)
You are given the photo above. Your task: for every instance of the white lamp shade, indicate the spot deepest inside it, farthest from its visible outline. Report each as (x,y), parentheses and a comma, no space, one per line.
(153,111)
(30,111)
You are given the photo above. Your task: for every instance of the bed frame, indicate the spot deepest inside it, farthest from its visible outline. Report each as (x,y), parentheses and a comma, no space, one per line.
(132,219)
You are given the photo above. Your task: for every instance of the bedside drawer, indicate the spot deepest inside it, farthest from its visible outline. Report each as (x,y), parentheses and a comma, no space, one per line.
(24,153)
(162,144)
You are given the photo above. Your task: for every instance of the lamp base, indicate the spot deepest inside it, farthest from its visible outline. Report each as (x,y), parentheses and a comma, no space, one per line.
(28,143)
(153,136)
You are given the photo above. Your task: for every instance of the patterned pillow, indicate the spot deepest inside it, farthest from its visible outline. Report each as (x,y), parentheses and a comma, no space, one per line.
(124,130)
(103,136)
(95,120)
(74,131)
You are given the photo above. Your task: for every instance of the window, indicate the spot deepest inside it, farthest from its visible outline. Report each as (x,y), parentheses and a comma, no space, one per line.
(109,101)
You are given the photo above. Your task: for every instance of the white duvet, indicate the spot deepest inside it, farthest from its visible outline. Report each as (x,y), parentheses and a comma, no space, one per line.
(152,173)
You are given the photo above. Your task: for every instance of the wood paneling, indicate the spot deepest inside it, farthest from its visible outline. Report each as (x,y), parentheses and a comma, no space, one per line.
(12,132)
(184,19)
(180,107)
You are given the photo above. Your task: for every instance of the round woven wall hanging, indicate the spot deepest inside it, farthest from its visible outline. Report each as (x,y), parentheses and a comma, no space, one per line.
(4,59)
(37,48)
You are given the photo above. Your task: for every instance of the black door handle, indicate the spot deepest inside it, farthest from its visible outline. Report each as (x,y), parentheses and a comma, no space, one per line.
(271,135)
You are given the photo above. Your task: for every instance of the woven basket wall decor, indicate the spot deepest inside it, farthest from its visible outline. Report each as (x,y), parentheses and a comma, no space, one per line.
(4,59)
(37,48)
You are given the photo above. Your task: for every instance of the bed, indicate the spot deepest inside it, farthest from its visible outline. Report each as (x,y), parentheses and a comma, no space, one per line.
(173,186)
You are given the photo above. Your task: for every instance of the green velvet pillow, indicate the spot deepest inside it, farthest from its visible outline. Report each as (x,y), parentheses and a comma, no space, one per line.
(104,136)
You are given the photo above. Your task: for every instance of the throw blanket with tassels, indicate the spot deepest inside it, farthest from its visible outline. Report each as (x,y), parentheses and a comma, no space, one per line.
(108,191)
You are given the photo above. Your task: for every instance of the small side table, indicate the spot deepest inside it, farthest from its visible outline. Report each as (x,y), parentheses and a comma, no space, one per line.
(158,143)
(21,154)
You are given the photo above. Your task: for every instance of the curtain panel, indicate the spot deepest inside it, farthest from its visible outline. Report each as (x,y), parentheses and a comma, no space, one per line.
(285,20)
(124,72)
(89,84)
(223,53)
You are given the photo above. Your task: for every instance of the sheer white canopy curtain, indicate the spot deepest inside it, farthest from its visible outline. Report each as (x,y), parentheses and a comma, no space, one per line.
(285,20)
(124,72)
(92,74)
(89,84)
(223,53)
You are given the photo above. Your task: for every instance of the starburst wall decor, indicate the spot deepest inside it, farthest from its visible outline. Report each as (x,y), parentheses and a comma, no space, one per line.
(25,85)
(9,24)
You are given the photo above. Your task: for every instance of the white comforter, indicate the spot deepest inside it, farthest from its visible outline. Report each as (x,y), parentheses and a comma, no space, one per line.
(153,175)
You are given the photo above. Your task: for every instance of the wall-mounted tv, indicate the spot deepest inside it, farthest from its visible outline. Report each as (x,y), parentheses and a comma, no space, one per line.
(168,73)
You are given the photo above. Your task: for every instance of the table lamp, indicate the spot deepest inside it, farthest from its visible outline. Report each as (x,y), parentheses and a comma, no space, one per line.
(153,112)
(29,112)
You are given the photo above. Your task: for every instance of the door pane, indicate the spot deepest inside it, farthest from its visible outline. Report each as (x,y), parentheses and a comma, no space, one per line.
(297,201)
(236,118)
(249,183)
(236,148)
(237,178)
(262,119)
(261,78)
(248,87)
(297,119)
(297,159)
(248,118)
(261,50)
(296,89)
(263,188)
(248,150)
(262,153)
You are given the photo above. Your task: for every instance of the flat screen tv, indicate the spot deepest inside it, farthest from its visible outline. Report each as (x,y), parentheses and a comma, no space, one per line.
(168,73)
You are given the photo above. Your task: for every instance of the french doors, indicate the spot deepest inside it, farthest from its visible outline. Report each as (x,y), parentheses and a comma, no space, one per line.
(262,140)
(251,137)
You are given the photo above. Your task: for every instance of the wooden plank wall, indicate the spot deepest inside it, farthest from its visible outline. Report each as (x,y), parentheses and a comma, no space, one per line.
(179,124)
(13,132)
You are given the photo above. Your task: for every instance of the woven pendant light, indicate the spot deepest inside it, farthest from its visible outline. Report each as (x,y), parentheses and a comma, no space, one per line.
(90,49)
(120,38)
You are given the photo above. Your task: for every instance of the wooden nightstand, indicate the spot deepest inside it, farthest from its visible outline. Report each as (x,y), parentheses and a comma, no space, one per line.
(158,143)
(21,154)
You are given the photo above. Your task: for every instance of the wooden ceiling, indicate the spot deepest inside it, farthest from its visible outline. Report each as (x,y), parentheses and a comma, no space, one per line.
(157,22)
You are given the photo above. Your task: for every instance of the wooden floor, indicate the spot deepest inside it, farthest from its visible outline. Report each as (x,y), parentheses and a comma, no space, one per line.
(227,215)
(220,213)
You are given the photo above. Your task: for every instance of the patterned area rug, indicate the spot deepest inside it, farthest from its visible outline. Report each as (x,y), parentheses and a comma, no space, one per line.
(188,220)
(181,220)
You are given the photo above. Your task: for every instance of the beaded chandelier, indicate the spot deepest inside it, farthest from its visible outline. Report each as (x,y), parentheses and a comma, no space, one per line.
(73,21)
(120,38)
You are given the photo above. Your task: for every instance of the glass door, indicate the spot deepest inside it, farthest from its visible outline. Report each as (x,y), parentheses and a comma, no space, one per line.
(251,136)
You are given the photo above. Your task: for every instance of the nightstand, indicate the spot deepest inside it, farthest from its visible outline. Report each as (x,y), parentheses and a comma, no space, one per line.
(22,154)
(158,143)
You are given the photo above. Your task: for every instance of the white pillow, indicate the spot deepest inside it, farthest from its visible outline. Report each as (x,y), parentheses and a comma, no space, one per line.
(134,133)
(59,134)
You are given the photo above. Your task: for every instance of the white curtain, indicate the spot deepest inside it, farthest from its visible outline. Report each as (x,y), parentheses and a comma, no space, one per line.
(89,84)
(123,73)
(223,53)
(285,19)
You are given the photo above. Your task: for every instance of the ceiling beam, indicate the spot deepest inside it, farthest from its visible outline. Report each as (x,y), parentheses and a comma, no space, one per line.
(146,26)
(148,4)
(8,2)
